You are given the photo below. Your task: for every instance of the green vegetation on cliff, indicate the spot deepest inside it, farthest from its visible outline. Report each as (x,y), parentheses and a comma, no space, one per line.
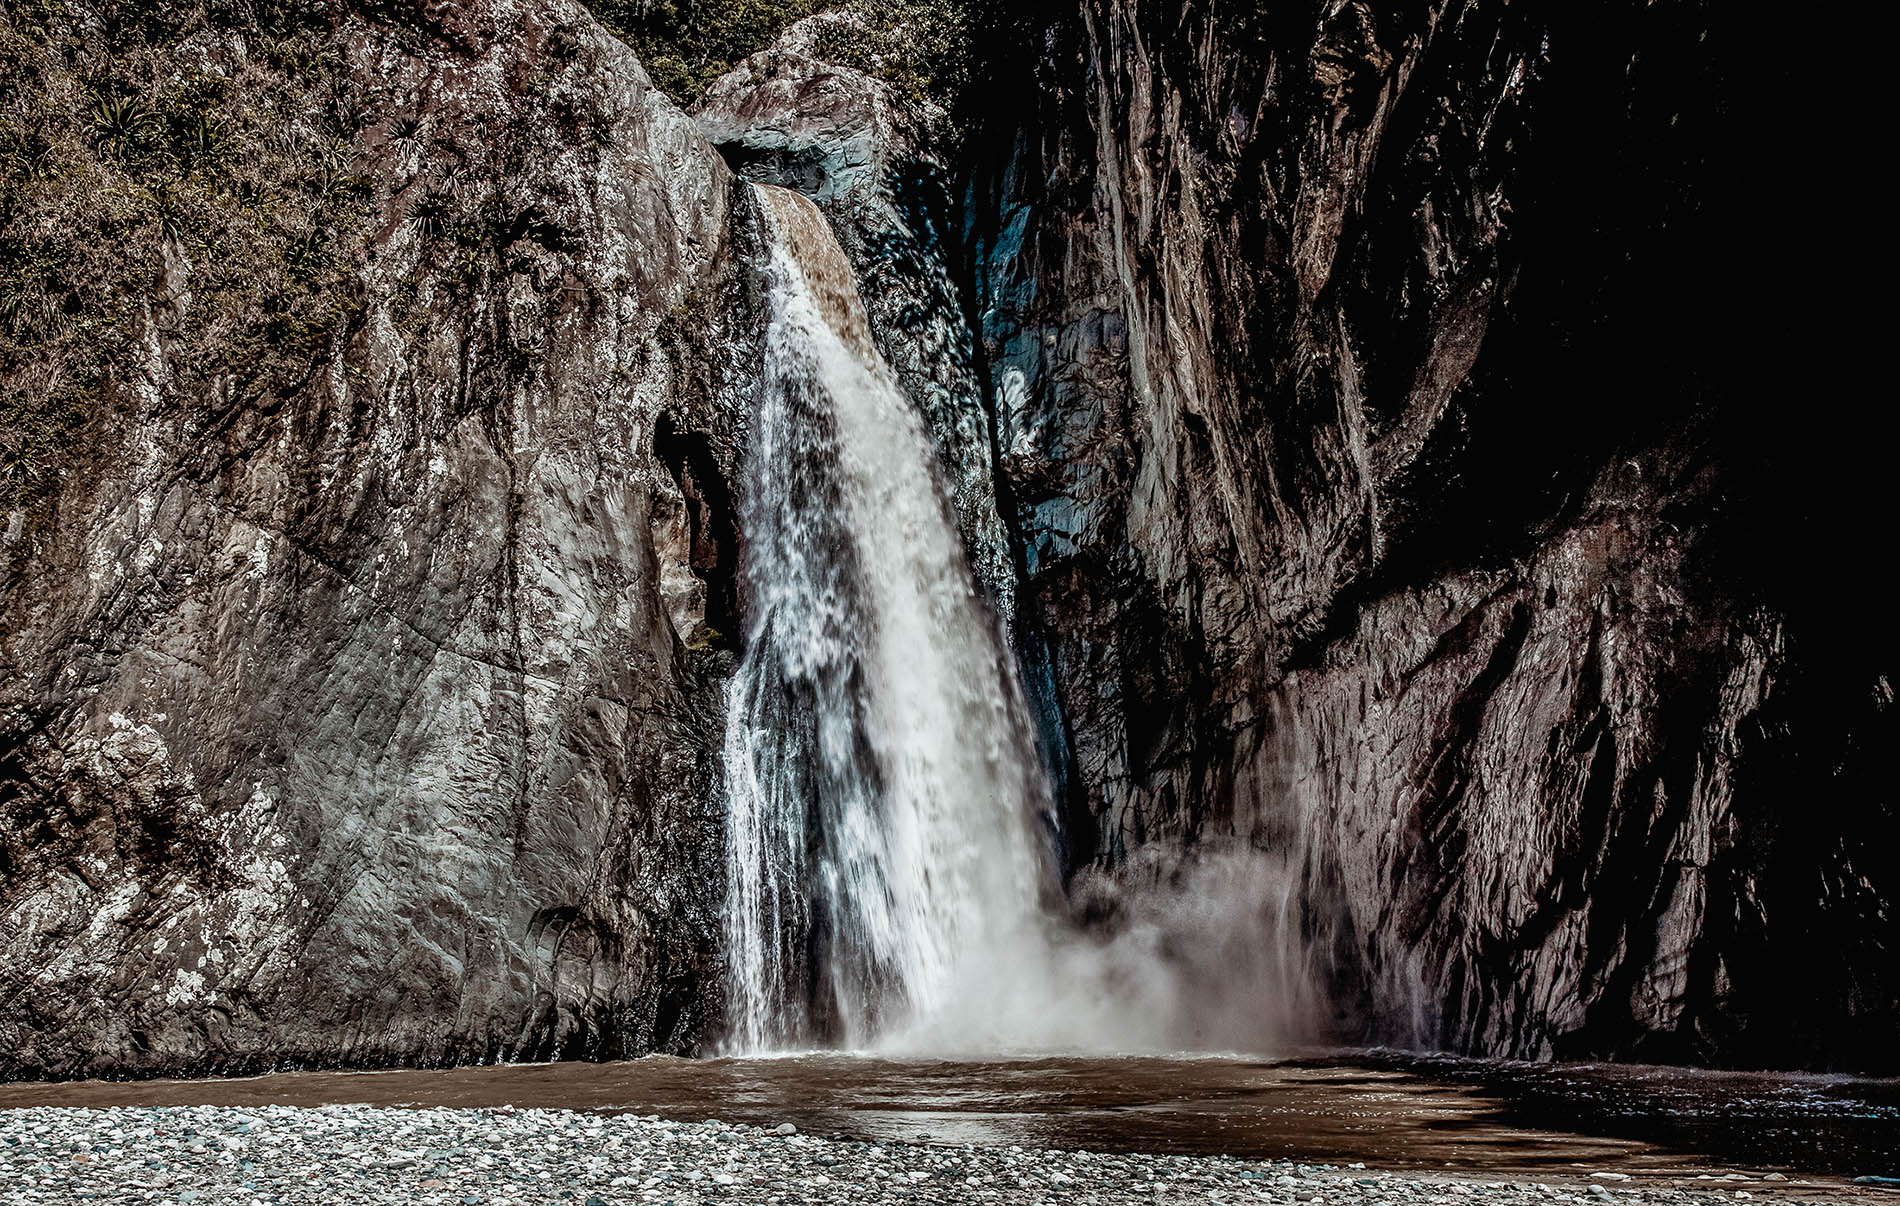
(175,191)
(687,44)
(923,47)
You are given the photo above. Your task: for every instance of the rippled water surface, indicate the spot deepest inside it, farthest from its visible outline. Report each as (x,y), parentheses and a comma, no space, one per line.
(1390,1111)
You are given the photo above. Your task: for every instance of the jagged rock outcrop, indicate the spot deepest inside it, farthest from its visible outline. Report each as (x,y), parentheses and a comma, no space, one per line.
(373,721)
(1363,388)
(872,159)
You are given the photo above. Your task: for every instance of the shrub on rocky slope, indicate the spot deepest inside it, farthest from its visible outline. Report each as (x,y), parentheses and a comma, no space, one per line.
(137,139)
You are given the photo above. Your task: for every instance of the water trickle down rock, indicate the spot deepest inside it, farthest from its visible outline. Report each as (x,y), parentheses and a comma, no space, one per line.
(886,881)
(882,776)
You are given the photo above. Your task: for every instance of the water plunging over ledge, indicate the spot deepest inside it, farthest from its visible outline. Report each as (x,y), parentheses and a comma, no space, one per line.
(882,781)
(889,885)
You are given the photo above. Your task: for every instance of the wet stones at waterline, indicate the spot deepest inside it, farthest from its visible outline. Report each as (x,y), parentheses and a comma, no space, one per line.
(302,1157)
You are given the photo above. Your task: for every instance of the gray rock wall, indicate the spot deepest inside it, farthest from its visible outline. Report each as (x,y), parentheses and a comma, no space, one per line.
(1348,408)
(360,725)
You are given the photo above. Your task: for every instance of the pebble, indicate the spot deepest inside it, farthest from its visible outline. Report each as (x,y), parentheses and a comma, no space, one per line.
(334,1155)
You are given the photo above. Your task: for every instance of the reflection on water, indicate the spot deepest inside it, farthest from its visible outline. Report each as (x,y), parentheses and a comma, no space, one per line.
(1804,1121)
(1387,1110)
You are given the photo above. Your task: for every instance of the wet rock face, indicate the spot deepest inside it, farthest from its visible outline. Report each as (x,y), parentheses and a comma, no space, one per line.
(1358,378)
(359,725)
(874,163)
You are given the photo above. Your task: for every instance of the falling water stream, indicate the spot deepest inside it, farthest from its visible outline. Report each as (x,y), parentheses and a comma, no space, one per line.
(890,881)
(883,784)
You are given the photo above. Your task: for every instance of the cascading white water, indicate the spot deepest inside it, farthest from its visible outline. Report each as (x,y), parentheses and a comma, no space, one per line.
(886,882)
(881,776)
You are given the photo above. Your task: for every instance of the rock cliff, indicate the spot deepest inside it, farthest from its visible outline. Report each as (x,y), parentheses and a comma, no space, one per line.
(372,719)
(1352,412)
(1375,391)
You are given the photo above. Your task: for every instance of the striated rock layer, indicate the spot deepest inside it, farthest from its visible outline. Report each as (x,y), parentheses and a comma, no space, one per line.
(378,721)
(1375,388)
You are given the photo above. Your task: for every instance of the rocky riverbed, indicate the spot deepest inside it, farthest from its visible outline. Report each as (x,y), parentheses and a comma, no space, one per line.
(488,1157)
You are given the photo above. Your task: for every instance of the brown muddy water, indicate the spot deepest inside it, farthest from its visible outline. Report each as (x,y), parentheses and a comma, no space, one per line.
(1398,1112)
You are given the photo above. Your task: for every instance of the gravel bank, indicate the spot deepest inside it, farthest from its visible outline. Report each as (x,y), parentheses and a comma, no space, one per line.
(350,1154)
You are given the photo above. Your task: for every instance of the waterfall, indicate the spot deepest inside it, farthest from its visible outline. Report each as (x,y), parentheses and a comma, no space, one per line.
(888,883)
(882,780)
